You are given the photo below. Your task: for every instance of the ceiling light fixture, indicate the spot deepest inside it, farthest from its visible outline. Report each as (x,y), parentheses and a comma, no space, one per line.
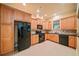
(37,10)
(41,17)
(45,15)
(37,16)
(24,4)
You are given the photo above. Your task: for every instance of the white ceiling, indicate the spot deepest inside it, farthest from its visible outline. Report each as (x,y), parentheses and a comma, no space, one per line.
(46,8)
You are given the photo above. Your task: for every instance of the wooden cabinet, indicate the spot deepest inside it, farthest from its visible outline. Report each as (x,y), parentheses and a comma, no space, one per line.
(47,25)
(33,24)
(72,41)
(46,36)
(6,14)
(34,39)
(21,16)
(7,42)
(18,15)
(52,37)
(68,23)
(26,17)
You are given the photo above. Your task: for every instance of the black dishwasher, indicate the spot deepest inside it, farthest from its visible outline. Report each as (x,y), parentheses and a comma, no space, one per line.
(63,39)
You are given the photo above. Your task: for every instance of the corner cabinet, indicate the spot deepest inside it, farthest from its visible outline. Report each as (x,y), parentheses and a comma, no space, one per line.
(68,23)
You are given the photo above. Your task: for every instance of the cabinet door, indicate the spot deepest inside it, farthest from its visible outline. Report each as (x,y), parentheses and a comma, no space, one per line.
(7,42)
(45,25)
(46,36)
(72,41)
(69,23)
(53,37)
(34,39)
(26,17)
(18,15)
(6,14)
(33,24)
(49,25)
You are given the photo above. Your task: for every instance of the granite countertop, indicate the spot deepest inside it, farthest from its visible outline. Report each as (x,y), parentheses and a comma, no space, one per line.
(59,33)
(71,34)
(64,34)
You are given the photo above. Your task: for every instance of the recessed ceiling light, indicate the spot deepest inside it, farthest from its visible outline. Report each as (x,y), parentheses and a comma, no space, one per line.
(24,4)
(45,15)
(41,17)
(37,16)
(38,10)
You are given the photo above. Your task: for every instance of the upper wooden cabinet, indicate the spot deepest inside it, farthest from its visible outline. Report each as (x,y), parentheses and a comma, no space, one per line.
(33,24)
(26,17)
(18,15)
(68,23)
(21,16)
(6,14)
(47,25)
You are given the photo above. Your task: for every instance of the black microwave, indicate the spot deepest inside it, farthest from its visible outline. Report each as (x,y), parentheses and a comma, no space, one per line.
(39,27)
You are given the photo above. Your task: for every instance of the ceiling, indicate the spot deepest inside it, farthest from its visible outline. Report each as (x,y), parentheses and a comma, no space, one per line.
(47,10)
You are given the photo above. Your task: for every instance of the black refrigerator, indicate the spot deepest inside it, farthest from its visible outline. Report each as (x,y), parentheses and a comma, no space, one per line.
(24,35)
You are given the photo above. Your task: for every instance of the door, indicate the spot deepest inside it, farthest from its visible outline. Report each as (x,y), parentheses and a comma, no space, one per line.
(24,40)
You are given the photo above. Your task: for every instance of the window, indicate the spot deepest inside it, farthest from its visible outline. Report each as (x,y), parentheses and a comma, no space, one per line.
(56,24)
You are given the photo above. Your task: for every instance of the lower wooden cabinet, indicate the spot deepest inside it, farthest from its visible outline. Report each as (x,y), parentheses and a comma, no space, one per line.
(46,36)
(53,37)
(72,41)
(34,39)
(7,42)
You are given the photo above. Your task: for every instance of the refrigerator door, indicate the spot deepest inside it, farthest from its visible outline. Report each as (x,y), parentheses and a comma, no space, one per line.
(24,40)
